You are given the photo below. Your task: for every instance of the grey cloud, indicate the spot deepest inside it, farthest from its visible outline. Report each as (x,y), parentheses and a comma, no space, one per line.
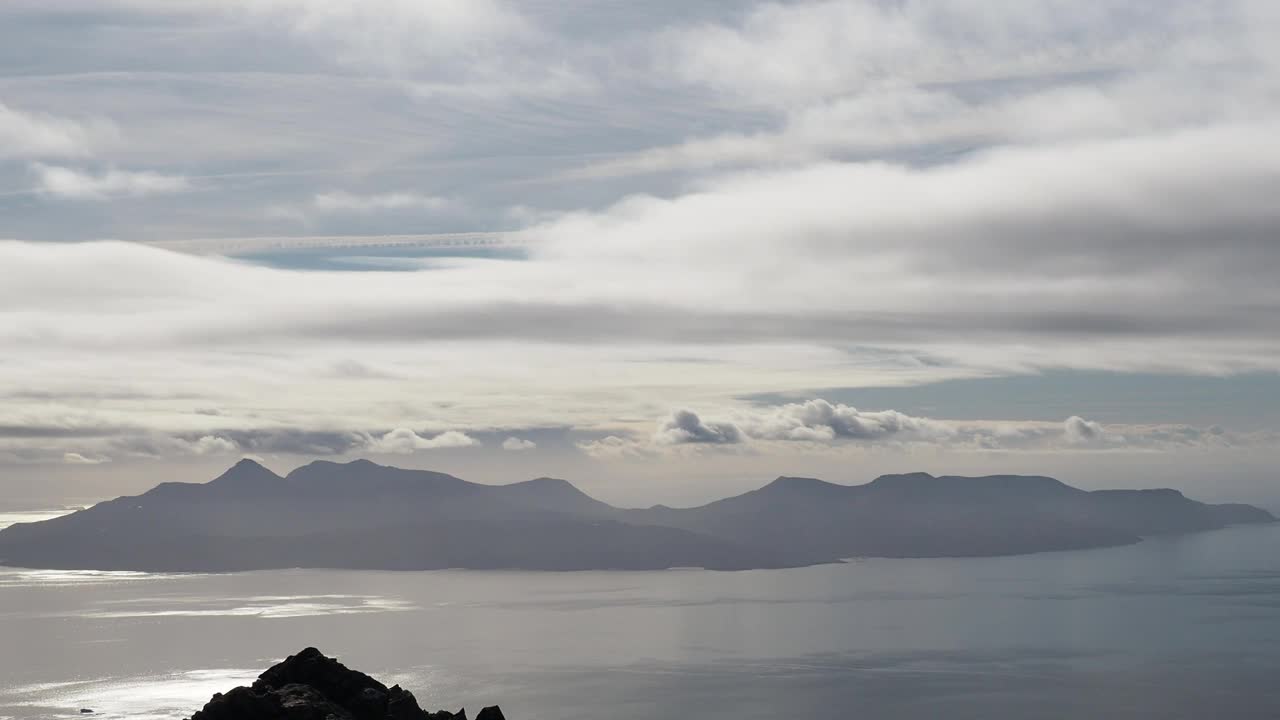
(590,323)
(289,441)
(1053,185)
(818,422)
(685,427)
(63,431)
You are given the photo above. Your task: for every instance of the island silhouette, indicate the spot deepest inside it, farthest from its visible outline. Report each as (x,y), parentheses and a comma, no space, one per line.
(361,515)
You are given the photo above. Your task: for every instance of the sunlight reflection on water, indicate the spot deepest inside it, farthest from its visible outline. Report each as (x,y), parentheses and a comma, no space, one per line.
(140,698)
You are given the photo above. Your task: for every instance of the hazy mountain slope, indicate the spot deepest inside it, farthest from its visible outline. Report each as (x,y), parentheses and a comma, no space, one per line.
(926,516)
(363,515)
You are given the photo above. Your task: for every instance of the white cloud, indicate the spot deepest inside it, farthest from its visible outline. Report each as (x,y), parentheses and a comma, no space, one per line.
(516,444)
(403,441)
(78,184)
(865,78)
(397,37)
(779,54)
(73,458)
(339,201)
(213,445)
(921,191)
(25,134)
(820,420)
(613,447)
(1080,431)
(1014,259)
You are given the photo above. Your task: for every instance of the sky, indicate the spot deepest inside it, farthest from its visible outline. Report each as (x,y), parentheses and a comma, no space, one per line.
(665,250)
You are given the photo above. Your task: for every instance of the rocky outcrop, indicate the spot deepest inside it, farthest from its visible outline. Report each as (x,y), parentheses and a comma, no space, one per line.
(311,686)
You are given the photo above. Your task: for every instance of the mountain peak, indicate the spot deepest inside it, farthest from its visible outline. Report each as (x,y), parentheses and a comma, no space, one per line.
(245,471)
(553,494)
(893,478)
(550,482)
(786,483)
(329,466)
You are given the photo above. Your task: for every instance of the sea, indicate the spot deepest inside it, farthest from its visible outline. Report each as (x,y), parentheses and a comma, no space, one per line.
(1173,627)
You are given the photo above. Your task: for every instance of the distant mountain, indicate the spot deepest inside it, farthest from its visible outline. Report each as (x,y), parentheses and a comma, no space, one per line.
(364,515)
(919,515)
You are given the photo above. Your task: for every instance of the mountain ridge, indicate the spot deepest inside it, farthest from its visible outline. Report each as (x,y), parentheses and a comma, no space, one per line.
(361,514)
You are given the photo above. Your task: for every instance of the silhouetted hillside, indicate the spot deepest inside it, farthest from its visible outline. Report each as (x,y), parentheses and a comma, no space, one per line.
(919,515)
(310,685)
(364,515)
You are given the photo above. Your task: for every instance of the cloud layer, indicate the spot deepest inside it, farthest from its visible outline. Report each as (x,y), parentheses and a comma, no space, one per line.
(600,214)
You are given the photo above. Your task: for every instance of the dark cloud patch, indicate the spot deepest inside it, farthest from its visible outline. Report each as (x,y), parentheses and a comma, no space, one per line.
(685,427)
(589,323)
(289,441)
(63,431)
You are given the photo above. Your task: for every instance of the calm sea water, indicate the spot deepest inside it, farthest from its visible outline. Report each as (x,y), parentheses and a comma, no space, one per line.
(1185,627)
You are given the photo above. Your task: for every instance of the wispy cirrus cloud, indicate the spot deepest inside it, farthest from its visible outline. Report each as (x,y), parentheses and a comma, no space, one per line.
(340,201)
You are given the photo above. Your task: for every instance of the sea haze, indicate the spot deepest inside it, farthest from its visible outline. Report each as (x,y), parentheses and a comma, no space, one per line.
(1173,627)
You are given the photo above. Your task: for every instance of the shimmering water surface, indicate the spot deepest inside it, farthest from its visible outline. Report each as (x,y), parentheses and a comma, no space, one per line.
(1185,627)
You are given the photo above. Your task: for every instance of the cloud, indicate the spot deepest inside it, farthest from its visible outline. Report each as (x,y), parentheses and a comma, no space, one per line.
(867,253)
(78,184)
(411,39)
(265,441)
(516,444)
(842,78)
(404,441)
(782,53)
(820,420)
(614,447)
(73,458)
(826,192)
(31,135)
(214,445)
(338,201)
(818,424)
(685,427)
(1080,431)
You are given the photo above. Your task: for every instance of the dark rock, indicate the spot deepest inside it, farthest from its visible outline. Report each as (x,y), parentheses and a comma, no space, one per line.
(311,686)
